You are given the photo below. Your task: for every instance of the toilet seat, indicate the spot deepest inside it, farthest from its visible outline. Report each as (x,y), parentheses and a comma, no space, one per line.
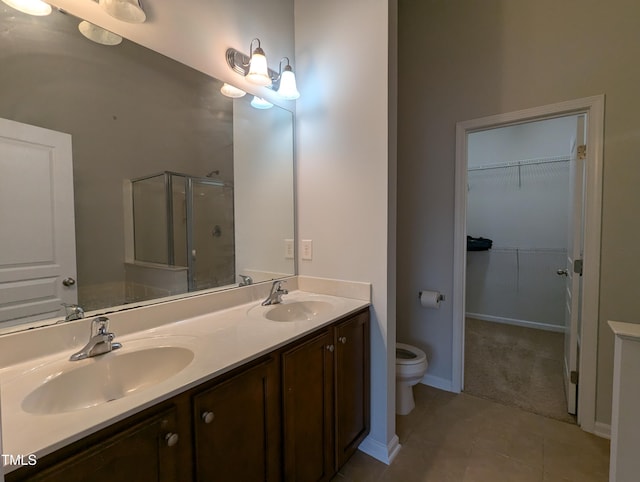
(403,350)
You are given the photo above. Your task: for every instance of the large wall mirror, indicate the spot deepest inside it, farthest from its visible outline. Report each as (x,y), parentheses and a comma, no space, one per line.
(176,188)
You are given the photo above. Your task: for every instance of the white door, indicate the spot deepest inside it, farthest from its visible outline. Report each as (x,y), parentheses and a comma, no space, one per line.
(37,230)
(573,269)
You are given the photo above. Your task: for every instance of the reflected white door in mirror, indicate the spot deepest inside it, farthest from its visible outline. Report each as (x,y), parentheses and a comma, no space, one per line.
(37,239)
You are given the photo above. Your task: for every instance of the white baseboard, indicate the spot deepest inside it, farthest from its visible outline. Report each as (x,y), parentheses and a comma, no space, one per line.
(437,382)
(377,450)
(512,321)
(602,430)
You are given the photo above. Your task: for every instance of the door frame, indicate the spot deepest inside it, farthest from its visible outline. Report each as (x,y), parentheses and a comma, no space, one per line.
(593,107)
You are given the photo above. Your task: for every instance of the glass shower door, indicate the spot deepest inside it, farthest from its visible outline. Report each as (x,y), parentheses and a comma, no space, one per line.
(210,230)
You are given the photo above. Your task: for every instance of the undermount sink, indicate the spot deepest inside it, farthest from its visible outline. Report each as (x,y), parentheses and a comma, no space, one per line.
(105,378)
(297,310)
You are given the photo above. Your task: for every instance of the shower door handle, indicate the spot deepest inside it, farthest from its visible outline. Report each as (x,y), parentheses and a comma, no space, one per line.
(562,272)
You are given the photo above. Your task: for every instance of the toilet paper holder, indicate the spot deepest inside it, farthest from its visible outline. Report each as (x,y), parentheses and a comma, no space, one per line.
(440,296)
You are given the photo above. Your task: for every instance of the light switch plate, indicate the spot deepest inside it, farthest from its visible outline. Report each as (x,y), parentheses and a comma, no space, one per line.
(288,249)
(307,249)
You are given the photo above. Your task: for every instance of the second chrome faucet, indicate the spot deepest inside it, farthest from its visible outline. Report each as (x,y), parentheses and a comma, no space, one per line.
(275,295)
(100,342)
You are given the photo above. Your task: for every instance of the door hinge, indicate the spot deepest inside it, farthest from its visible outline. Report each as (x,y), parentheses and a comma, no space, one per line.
(574,377)
(577,266)
(582,152)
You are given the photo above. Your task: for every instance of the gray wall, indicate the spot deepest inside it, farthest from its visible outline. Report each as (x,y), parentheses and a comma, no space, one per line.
(483,58)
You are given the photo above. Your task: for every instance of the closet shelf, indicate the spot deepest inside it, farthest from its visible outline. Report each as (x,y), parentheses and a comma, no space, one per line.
(521,163)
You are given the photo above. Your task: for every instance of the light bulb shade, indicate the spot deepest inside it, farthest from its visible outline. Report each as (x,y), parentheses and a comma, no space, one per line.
(231,91)
(98,34)
(260,103)
(258,72)
(30,7)
(288,89)
(125,10)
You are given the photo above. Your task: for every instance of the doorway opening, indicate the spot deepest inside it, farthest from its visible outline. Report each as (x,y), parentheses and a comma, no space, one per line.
(578,363)
(518,230)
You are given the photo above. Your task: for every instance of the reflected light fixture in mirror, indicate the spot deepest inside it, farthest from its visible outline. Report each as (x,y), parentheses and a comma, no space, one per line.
(126,10)
(30,7)
(98,34)
(260,103)
(231,91)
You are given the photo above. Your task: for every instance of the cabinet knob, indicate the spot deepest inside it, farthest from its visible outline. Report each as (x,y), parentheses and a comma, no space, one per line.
(171,439)
(207,417)
(342,339)
(330,347)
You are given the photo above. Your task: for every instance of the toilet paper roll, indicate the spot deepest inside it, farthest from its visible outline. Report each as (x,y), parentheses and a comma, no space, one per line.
(430,299)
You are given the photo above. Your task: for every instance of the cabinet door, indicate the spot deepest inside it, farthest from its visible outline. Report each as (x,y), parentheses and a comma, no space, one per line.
(146,452)
(237,427)
(352,385)
(307,371)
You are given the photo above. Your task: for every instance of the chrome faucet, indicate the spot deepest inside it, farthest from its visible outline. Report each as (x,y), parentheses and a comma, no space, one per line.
(101,340)
(74,312)
(246,280)
(275,296)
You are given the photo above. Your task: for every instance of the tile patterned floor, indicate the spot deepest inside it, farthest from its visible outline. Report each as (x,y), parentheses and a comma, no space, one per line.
(461,438)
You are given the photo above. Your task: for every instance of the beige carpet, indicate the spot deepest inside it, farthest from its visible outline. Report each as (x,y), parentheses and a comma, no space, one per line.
(516,366)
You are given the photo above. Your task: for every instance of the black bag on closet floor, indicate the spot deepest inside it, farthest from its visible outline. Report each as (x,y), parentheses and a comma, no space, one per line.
(478,244)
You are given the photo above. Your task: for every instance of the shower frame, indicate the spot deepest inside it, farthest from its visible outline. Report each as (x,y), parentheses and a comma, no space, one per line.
(168,189)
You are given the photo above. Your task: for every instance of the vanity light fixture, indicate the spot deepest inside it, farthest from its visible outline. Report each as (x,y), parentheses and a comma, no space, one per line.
(98,34)
(231,91)
(30,7)
(255,69)
(258,71)
(126,10)
(288,89)
(260,103)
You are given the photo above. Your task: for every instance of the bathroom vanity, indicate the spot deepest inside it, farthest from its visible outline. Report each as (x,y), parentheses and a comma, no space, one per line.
(295,409)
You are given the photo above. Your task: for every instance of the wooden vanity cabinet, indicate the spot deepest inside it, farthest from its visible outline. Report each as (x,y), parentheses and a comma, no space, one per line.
(307,407)
(296,414)
(237,427)
(147,451)
(325,381)
(352,382)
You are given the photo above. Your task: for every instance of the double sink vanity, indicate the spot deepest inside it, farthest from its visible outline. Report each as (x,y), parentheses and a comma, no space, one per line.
(211,387)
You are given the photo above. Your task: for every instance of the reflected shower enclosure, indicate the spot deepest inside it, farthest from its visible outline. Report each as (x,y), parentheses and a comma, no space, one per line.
(183,235)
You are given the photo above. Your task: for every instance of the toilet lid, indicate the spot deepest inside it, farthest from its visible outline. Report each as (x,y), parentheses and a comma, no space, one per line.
(409,355)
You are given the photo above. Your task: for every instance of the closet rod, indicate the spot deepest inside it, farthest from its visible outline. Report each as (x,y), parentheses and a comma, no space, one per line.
(530,162)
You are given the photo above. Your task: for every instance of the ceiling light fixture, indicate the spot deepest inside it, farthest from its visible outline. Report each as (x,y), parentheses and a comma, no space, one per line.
(98,34)
(126,10)
(255,69)
(30,7)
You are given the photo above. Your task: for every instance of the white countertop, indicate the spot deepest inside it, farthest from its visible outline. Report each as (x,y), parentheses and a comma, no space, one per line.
(221,340)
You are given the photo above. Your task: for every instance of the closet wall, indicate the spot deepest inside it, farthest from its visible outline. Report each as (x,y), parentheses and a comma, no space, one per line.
(518,183)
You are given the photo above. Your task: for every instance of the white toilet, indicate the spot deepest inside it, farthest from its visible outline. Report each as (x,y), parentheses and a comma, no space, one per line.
(411,365)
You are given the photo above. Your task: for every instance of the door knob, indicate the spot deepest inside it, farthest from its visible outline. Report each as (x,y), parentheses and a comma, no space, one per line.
(68,282)
(562,272)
